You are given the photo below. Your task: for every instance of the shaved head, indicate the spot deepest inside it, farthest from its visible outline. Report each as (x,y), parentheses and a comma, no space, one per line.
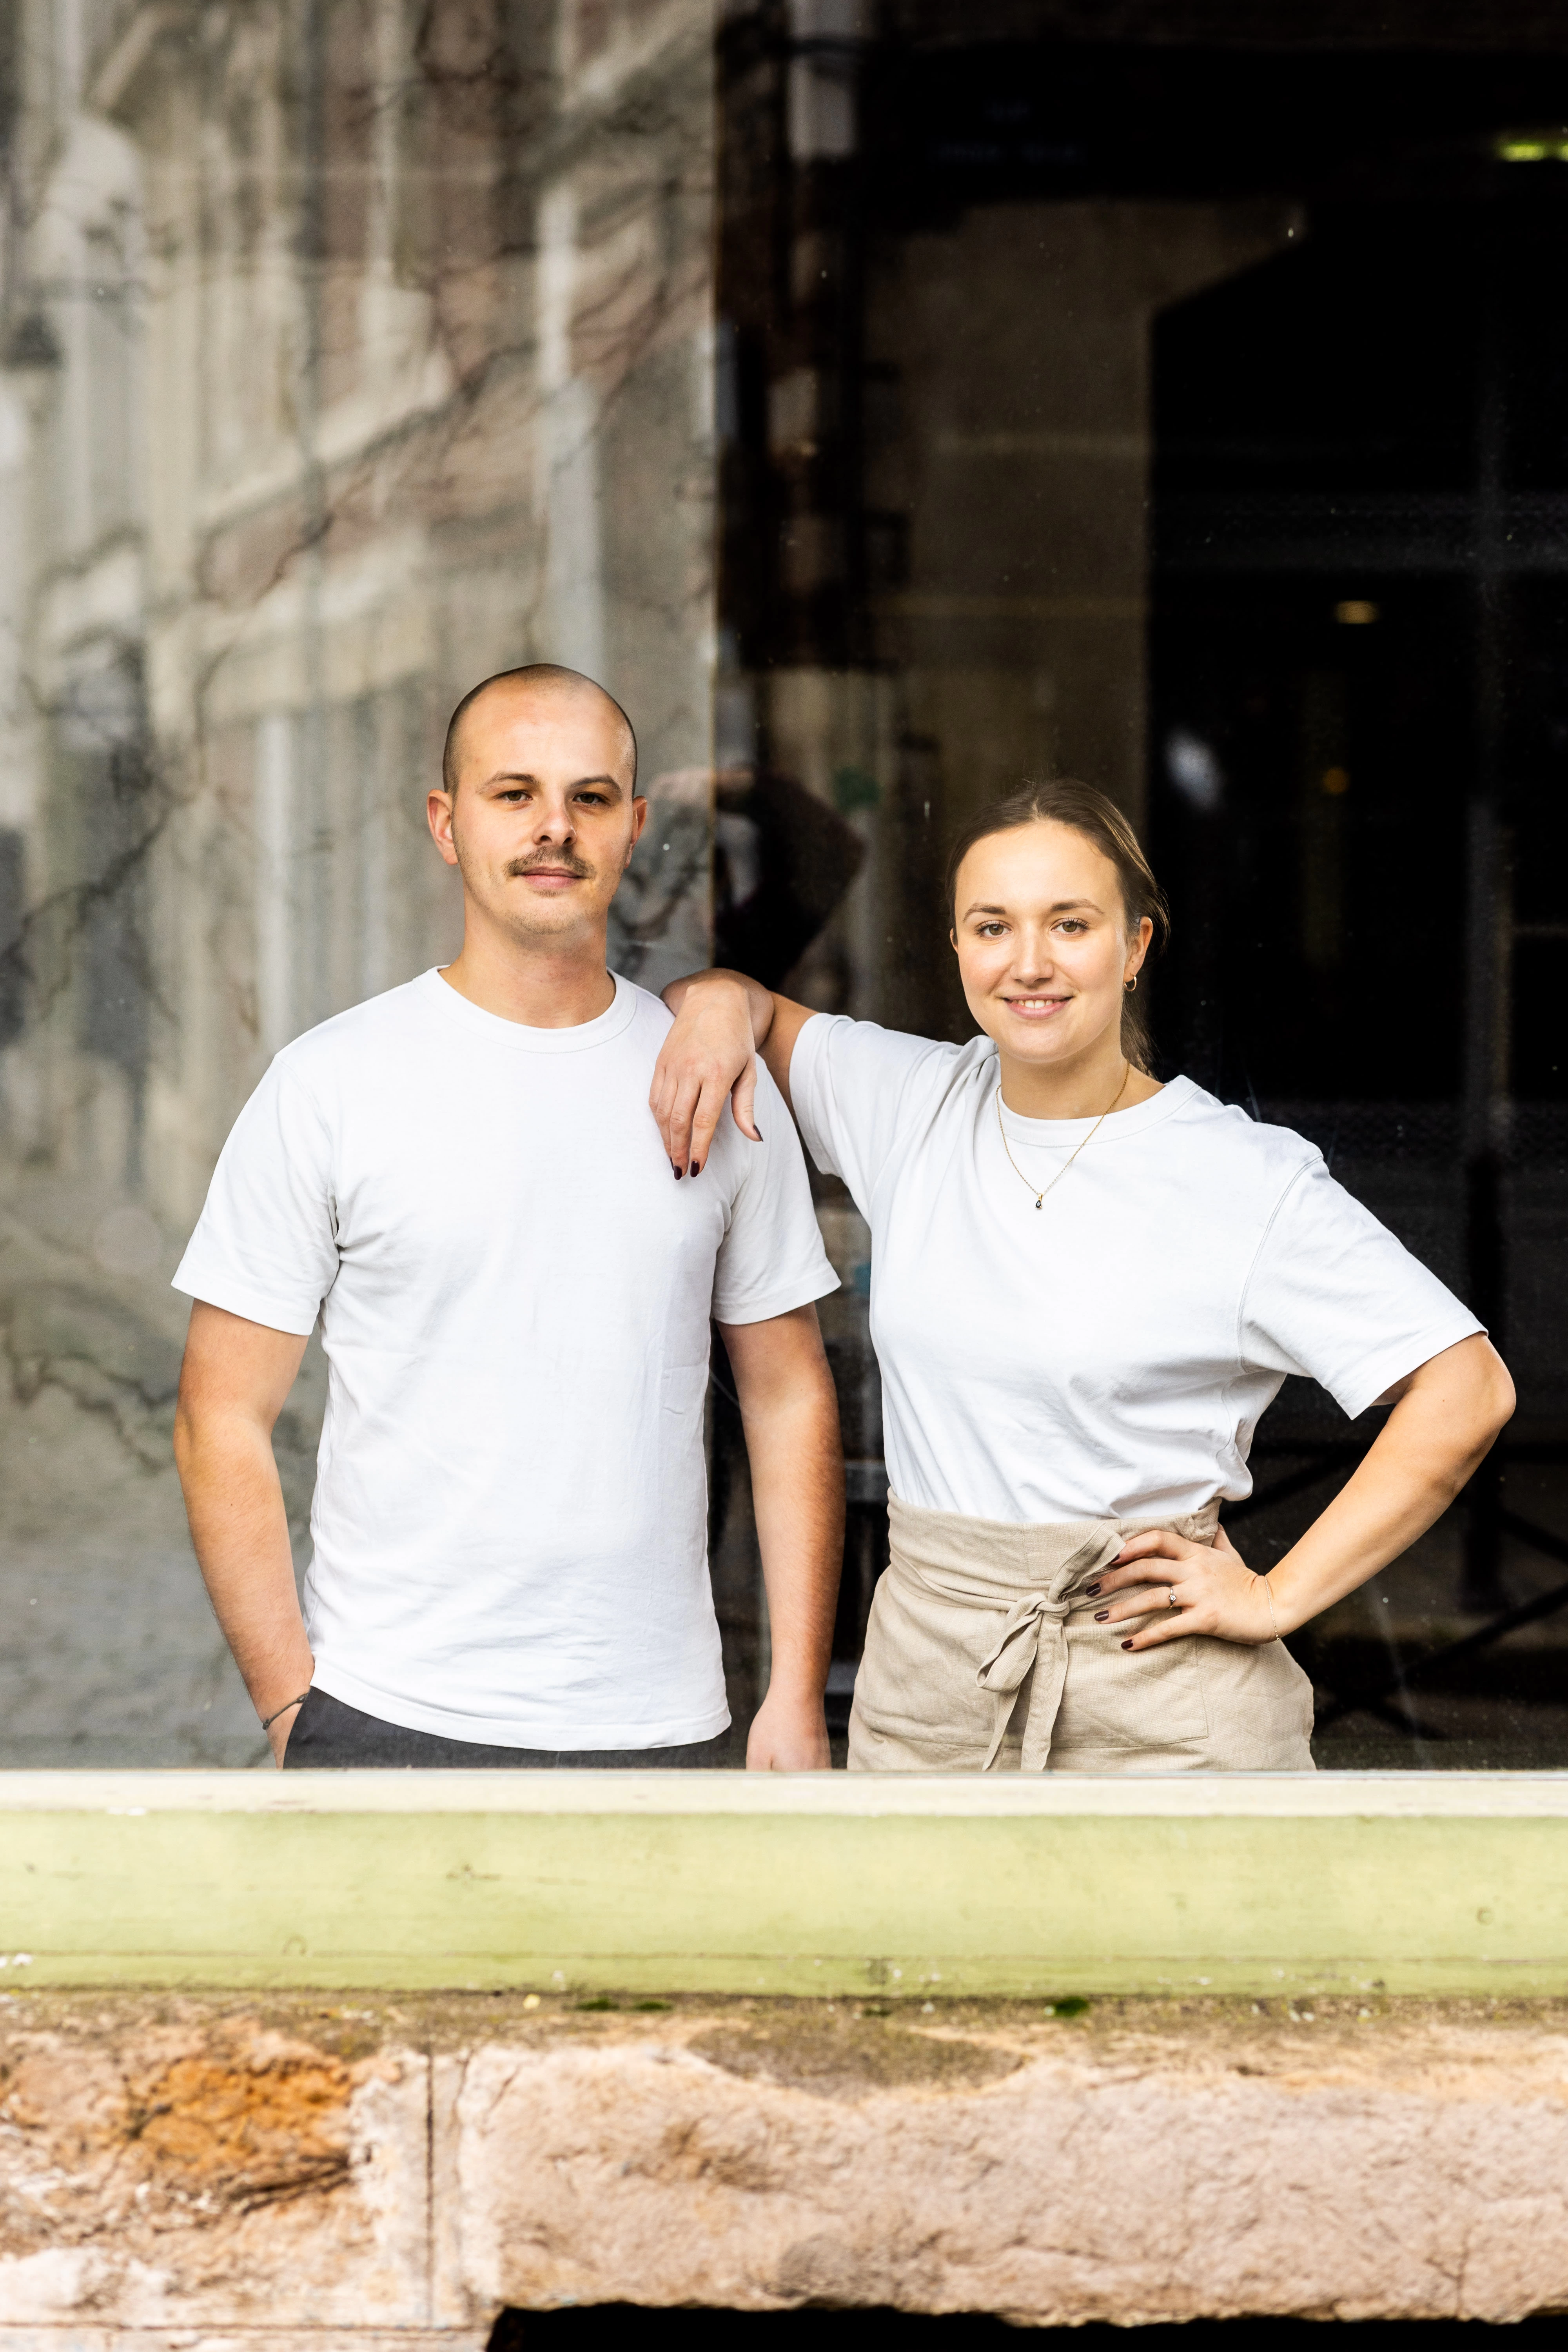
(550,683)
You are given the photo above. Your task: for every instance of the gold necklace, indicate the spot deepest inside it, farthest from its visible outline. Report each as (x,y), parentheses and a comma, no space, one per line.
(1094,1130)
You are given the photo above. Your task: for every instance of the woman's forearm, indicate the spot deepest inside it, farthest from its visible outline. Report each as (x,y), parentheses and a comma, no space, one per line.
(759,1000)
(1439,1432)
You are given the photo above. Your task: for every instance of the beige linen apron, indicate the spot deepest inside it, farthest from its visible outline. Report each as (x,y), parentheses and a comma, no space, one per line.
(983,1655)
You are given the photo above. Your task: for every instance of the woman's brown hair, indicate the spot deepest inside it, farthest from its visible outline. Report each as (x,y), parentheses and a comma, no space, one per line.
(1065,800)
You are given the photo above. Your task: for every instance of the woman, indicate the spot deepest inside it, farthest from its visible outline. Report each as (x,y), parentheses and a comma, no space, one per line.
(1085,1288)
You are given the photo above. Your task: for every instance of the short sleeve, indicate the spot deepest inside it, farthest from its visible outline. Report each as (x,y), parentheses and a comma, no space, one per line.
(771,1258)
(266,1245)
(1334,1297)
(852,1084)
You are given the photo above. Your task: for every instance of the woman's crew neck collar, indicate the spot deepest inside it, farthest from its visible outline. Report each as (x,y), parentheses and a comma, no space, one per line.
(1116,1124)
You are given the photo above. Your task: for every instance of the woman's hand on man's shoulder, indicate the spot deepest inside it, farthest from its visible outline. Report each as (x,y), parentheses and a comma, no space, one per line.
(707,1059)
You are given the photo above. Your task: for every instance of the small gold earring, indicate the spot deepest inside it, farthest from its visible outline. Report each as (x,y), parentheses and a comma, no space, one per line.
(1131,985)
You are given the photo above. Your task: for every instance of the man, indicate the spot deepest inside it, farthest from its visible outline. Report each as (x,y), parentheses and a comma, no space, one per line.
(463,1178)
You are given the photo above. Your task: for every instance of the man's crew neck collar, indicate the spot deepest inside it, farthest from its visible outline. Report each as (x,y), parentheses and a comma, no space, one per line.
(617,1017)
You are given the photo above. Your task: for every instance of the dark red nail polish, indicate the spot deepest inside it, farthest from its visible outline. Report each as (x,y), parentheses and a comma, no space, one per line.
(1092,1590)
(1126,1645)
(697,1167)
(675,1172)
(759,1134)
(1100,1616)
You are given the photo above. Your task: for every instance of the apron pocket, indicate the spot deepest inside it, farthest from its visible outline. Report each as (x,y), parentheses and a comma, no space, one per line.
(918,1673)
(1130,1698)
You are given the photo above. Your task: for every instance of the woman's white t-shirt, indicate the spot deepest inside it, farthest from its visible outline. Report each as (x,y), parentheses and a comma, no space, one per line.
(1111,1354)
(511,1502)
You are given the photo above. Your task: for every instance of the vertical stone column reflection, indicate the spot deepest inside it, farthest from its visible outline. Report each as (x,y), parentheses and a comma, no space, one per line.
(567,490)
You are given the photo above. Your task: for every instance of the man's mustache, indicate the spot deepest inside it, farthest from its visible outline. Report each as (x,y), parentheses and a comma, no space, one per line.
(554,861)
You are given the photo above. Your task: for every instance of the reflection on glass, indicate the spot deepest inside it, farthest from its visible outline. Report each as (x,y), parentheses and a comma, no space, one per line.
(353,350)
(889,404)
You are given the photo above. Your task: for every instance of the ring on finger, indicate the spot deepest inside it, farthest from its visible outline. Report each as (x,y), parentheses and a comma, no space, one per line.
(1170,1599)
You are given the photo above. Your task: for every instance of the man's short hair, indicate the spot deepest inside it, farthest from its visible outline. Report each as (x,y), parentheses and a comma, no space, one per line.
(546,674)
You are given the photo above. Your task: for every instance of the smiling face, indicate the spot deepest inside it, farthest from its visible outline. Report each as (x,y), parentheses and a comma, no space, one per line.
(1044,949)
(544,815)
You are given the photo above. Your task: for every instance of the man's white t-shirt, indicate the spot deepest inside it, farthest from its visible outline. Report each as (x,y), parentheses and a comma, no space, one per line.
(510,1522)
(1111,1354)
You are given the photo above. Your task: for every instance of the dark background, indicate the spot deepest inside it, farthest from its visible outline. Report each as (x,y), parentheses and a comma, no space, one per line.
(1355,781)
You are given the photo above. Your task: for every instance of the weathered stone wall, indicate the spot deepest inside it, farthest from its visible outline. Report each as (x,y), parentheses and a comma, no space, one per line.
(336,2171)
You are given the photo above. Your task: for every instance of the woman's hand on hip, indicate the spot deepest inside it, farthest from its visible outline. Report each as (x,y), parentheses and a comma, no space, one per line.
(1211,1588)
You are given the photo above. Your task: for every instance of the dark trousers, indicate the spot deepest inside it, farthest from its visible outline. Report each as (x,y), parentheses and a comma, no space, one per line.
(327,1735)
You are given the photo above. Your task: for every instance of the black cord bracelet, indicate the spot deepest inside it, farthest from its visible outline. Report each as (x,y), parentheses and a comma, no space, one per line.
(269,1720)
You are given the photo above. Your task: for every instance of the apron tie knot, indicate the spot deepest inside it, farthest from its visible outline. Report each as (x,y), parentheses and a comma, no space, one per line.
(1031,1635)
(1034,1622)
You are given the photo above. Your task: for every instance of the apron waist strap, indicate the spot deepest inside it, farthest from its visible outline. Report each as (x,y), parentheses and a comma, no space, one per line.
(974,1561)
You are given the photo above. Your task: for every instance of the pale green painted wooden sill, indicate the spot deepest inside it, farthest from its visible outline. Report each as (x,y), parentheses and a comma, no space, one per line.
(1441,1883)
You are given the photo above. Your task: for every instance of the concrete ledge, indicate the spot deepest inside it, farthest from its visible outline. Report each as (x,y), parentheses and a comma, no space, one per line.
(180,2175)
(668,1882)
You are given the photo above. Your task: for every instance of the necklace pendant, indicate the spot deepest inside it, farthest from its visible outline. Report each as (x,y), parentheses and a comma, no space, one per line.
(1040,1202)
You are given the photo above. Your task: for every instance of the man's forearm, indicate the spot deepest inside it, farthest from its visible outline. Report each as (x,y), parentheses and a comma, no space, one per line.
(797,1497)
(240,1529)
(790,1413)
(759,1000)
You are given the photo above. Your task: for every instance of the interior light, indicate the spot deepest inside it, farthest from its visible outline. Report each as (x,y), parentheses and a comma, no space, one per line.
(1355,612)
(1336,781)
(1534,147)
(1194,769)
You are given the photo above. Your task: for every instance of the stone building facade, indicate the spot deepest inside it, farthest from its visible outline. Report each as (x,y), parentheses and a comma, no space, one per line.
(353,350)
